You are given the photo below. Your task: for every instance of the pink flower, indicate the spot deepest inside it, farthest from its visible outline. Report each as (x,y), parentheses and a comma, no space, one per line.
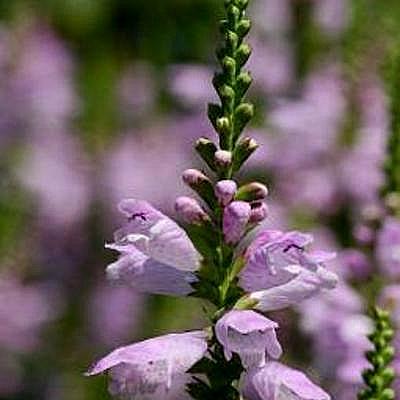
(280,272)
(275,381)
(225,190)
(155,367)
(276,257)
(235,220)
(250,335)
(388,248)
(156,254)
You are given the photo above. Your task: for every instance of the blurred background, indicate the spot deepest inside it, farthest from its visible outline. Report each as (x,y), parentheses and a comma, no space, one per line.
(103,99)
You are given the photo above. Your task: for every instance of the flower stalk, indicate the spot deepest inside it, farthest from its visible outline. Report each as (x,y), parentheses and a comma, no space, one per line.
(235,356)
(231,84)
(379,377)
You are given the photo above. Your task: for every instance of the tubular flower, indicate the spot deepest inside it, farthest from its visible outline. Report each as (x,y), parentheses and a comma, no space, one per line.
(155,368)
(280,272)
(156,254)
(250,335)
(276,381)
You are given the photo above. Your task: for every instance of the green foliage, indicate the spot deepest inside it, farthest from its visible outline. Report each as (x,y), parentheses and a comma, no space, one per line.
(379,377)
(222,376)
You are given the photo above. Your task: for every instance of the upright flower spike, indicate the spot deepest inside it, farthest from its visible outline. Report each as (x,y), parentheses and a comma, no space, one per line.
(232,83)
(275,271)
(379,377)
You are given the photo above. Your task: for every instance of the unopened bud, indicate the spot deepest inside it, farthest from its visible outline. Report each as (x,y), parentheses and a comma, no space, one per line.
(224,129)
(235,220)
(242,54)
(232,40)
(200,183)
(243,114)
(223,158)
(229,67)
(243,83)
(225,191)
(253,191)
(259,212)
(190,210)
(243,27)
(242,4)
(214,112)
(223,125)
(193,177)
(244,149)
(206,149)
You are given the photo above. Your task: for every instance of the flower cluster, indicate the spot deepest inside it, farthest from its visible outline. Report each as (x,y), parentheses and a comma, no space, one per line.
(157,256)
(216,259)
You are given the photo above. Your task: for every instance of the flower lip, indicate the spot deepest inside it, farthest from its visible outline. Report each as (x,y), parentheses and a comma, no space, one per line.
(250,335)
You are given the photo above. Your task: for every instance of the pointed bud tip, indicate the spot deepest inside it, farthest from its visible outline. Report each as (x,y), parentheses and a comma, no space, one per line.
(223,158)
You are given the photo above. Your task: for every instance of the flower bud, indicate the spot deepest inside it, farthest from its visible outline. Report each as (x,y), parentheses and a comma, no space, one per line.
(243,27)
(206,149)
(253,191)
(232,41)
(243,114)
(235,220)
(363,234)
(243,83)
(200,183)
(190,210)
(356,263)
(225,191)
(229,67)
(244,149)
(259,212)
(214,111)
(223,158)
(242,4)
(223,125)
(242,54)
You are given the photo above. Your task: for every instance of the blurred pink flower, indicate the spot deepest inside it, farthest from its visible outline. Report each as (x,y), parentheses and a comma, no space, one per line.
(114,313)
(56,172)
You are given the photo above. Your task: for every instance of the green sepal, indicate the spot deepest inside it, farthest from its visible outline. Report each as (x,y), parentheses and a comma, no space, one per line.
(204,237)
(242,54)
(233,13)
(232,41)
(214,112)
(206,149)
(243,83)
(242,4)
(229,68)
(204,188)
(224,129)
(244,149)
(243,28)
(243,114)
